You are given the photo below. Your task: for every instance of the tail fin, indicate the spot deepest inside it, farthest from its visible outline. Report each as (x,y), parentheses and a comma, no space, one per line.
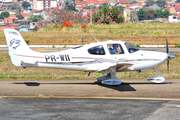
(16,45)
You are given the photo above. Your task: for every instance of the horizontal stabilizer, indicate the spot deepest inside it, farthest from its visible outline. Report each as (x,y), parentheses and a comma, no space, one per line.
(29,62)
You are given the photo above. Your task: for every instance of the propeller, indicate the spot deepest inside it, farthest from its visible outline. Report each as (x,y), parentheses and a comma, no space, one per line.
(167,50)
(170,56)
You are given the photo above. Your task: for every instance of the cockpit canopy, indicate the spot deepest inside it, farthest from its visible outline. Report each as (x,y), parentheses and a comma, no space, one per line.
(113,48)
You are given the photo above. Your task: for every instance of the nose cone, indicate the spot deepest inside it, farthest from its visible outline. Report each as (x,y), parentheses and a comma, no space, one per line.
(170,56)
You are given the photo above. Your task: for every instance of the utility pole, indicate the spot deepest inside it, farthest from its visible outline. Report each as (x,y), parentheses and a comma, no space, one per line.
(90,11)
(91,14)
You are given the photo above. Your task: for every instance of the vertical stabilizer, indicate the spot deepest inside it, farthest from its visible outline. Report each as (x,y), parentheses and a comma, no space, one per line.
(16,45)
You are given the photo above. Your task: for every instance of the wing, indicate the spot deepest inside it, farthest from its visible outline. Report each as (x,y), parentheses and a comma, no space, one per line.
(113,66)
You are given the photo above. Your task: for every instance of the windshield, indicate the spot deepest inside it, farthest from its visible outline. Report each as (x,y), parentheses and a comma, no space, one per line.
(131,48)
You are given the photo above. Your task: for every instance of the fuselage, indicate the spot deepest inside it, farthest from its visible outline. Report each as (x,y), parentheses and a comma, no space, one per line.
(94,56)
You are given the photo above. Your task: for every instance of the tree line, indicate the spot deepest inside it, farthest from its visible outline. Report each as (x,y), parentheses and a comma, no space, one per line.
(152,14)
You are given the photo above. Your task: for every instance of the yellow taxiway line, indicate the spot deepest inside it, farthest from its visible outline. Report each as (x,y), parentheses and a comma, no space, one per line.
(114,98)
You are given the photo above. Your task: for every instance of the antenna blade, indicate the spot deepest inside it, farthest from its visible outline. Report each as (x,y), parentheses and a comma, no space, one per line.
(94,37)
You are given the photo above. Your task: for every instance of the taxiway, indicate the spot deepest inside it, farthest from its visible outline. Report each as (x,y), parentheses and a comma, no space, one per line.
(134,99)
(129,89)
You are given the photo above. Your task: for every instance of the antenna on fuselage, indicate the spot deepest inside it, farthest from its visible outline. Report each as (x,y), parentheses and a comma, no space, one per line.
(94,37)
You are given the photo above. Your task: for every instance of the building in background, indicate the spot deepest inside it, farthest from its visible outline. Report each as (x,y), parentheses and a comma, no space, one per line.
(44,4)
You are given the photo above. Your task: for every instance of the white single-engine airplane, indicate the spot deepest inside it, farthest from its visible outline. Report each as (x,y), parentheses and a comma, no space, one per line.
(104,57)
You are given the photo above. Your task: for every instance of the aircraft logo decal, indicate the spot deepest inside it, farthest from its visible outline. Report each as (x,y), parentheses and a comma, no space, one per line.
(14,43)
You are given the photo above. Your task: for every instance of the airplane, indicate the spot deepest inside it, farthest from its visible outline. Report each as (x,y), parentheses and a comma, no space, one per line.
(106,57)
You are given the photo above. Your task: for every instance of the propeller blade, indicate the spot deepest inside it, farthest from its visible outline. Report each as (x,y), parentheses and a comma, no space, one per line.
(169,56)
(167,47)
(168,66)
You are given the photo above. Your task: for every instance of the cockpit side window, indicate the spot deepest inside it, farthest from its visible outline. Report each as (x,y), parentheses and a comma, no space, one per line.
(131,48)
(115,49)
(97,50)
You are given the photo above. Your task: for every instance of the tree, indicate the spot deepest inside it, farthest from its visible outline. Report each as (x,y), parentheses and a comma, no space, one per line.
(35,18)
(104,12)
(149,3)
(166,13)
(71,8)
(20,17)
(134,17)
(150,15)
(25,5)
(141,14)
(161,3)
(4,15)
(108,15)
(16,8)
(60,16)
(87,7)
(163,13)
(67,3)
(115,14)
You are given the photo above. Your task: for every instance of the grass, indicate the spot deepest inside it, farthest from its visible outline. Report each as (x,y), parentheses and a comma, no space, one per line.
(137,33)
(9,71)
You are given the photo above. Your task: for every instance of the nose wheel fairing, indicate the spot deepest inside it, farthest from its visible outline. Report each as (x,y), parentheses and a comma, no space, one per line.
(110,79)
(157,79)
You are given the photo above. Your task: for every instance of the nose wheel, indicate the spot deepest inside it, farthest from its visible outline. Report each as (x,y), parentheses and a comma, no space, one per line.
(157,79)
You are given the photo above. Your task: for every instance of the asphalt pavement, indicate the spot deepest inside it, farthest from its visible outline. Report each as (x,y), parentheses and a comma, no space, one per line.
(87,109)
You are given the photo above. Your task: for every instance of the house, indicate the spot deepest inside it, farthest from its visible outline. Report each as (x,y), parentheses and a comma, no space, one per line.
(97,2)
(79,3)
(123,2)
(135,7)
(142,2)
(13,16)
(173,19)
(25,15)
(2,28)
(37,12)
(169,1)
(22,23)
(10,20)
(127,14)
(79,8)
(86,10)
(172,10)
(177,10)
(33,24)
(7,2)
(44,4)
(176,5)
